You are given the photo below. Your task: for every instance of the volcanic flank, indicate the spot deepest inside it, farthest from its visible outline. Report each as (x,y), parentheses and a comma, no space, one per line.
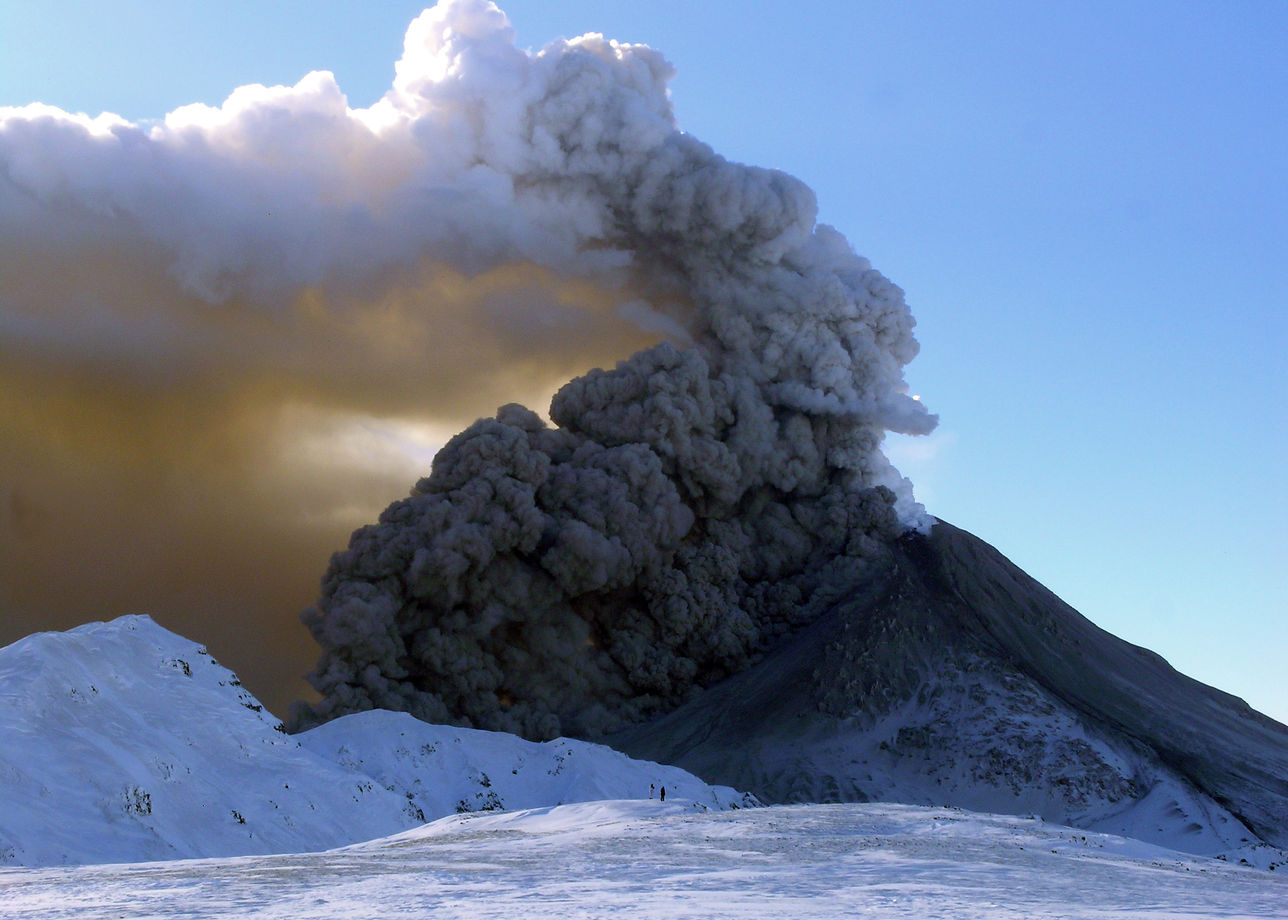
(950,676)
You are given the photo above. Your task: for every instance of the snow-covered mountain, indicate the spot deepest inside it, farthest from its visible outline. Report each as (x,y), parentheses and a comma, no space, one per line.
(122,742)
(956,679)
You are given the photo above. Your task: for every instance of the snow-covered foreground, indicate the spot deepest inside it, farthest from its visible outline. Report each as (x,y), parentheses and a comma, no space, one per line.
(647,859)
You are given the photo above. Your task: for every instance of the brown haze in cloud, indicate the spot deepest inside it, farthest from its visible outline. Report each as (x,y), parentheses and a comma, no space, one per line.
(227,339)
(201,463)
(199,458)
(208,488)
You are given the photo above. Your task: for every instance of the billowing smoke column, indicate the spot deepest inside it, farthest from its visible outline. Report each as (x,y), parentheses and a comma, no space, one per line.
(689,505)
(215,330)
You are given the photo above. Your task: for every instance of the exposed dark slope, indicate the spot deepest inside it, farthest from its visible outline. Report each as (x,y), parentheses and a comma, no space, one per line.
(960,679)
(1229,750)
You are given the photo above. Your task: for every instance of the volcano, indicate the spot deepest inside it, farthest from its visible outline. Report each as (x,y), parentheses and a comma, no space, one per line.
(702,553)
(955,678)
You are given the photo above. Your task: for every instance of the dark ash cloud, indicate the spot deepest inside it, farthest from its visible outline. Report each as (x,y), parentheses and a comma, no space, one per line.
(688,506)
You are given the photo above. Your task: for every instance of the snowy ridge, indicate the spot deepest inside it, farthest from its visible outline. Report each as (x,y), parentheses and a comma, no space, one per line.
(122,742)
(443,770)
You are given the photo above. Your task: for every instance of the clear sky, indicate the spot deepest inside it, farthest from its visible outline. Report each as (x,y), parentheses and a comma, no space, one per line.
(1086,205)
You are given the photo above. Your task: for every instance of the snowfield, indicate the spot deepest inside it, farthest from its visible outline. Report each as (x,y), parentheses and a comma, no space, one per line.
(651,860)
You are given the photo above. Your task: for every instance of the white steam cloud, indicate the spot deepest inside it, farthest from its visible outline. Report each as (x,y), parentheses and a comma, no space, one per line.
(497,222)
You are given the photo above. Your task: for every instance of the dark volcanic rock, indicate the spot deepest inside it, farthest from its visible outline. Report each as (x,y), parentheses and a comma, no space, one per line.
(958,679)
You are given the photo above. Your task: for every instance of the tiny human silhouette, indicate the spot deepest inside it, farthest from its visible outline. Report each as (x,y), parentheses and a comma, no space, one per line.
(651,788)
(663,795)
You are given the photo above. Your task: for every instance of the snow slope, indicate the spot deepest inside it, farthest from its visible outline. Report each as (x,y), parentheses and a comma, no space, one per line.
(645,859)
(443,770)
(123,742)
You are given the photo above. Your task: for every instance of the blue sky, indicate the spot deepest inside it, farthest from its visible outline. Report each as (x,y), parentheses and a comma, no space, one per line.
(1086,205)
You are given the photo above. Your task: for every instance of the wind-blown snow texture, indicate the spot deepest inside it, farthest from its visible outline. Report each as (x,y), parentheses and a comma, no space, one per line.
(642,859)
(122,742)
(693,503)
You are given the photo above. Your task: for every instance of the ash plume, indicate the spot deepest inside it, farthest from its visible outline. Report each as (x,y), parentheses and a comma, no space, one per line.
(688,505)
(217,330)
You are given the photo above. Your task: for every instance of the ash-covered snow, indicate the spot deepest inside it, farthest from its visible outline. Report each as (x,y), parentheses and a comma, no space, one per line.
(649,860)
(122,742)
